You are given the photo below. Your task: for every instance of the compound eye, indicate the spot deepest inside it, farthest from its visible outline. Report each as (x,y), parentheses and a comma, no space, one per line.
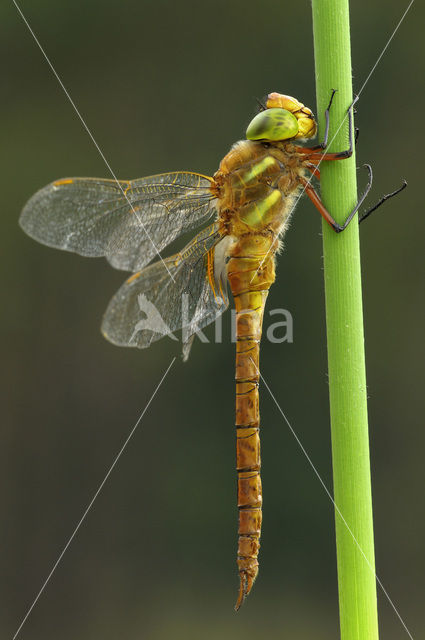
(272,124)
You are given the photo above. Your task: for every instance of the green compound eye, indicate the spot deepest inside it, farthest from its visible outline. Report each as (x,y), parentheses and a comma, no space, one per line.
(272,124)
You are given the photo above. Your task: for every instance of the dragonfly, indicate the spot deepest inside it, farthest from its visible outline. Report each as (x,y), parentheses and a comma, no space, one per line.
(248,203)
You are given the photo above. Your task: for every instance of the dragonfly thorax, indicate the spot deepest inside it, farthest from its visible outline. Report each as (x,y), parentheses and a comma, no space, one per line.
(256,182)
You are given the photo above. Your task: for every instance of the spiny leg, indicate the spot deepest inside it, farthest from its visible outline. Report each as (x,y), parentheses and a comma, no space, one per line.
(387,196)
(311,166)
(324,144)
(315,198)
(318,156)
(314,158)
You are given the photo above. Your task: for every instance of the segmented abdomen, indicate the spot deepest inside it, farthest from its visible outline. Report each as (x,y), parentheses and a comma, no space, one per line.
(250,273)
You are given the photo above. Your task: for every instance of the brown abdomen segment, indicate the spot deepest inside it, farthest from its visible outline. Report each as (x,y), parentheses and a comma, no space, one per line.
(250,280)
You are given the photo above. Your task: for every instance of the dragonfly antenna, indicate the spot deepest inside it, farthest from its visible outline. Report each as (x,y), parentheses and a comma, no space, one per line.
(260,104)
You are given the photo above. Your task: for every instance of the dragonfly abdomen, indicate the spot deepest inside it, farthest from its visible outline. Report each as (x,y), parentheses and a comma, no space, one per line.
(250,272)
(248,460)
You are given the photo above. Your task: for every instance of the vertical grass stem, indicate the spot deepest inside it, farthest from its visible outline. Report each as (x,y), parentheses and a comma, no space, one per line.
(345,339)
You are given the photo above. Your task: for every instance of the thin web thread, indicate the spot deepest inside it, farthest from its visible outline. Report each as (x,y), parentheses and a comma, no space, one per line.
(334,503)
(83,517)
(92,137)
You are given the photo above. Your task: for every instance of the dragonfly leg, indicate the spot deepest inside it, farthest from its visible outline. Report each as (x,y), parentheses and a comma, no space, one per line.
(313,168)
(315,198)
(316,155)
(324,144)
(387,196)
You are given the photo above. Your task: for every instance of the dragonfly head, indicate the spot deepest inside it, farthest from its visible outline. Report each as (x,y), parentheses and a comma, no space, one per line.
(284,118)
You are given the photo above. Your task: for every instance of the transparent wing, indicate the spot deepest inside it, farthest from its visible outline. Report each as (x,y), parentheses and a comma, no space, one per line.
(128,222)
(151,304)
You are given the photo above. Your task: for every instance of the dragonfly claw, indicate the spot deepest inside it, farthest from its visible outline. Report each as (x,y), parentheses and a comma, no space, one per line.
(243,590)
(246,583)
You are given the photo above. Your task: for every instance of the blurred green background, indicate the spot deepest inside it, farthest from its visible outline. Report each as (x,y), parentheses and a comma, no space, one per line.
(165,86)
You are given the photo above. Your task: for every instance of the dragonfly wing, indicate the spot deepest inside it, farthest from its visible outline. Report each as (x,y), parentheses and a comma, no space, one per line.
(180,293)
(128,222)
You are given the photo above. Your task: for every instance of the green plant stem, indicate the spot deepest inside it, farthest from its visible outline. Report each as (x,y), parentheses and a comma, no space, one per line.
(344,318)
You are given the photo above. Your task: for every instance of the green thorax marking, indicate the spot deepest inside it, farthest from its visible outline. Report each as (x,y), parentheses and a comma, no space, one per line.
(258,169)
(255,214)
